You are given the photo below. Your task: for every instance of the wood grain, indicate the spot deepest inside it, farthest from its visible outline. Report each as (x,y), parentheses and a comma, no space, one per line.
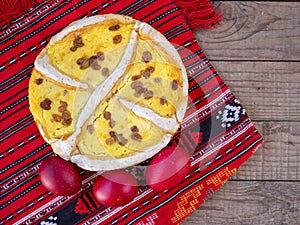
(278,158)
(257,53)
(254,31)
(270,91)
(248,203)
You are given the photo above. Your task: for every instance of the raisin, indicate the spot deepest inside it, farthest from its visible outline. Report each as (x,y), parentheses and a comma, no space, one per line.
(121,140)
(117,39)
(157,79)
(151,69)
(105,72)
(73,48)
(85,64)
(112,123)
(135,77)
(174,85)
(80,61)
(145,73)
(163,100)
(107,115)
(63,103)
(46,104)
(136,137)
(56,117)
(66,115)
(146,57)
(90,128)
(100,56)
(67,122)
(110,141)
(39,81)
(112,134)
(134,129)
(95,65)
(78,42)
(148,94)
(63,106)
(114,27)
(136,84)
(140,90)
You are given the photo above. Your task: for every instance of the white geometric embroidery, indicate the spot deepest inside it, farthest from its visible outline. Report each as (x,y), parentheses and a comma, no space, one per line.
(231,114)
(49,222)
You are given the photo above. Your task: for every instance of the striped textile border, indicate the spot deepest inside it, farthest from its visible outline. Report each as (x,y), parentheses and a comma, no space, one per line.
(218,143)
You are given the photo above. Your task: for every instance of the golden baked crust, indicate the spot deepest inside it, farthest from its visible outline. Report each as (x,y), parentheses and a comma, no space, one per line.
(108,92)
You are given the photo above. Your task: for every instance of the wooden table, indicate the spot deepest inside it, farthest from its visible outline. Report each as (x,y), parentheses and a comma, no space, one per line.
(257,53)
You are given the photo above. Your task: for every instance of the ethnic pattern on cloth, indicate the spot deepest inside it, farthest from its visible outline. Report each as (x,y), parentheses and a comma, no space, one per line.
(216,129)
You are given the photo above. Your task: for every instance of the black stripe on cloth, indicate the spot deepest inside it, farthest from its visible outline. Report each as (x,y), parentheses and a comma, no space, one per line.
(134,10)
(212,140)
(25,207)
(41,28)
(23,142)
(20,73)
(17,23)
(189,43)
(202,82)
(22,78)
(178,33)
(164,15)
(165,21)
(16,126)
(18,185)
(196,181)
(197,85)
(128,8)
(172,30)
(27,52)
(31,23)
(19,101)
(221,156)
(14,95)
(153,10)
(25,157)
(5,204)
(193,55)
(196,64)
(205,96)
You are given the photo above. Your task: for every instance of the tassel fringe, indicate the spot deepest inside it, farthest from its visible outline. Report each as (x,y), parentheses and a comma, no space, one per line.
(12,9)
(200,14)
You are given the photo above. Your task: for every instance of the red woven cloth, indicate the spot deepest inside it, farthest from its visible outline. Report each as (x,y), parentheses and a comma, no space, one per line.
(216,129)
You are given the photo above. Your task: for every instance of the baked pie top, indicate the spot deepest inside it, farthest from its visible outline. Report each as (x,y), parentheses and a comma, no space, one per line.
(108,92)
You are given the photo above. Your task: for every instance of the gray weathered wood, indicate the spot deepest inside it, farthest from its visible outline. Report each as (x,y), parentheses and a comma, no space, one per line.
(250,202)
(254,31)
(278,158)
(268,90)
(257,54)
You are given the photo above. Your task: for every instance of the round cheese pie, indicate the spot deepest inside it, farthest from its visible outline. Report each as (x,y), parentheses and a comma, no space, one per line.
(108,92)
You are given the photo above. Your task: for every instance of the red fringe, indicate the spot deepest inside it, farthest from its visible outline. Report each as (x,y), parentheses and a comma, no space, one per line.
(12,9)
(200,14)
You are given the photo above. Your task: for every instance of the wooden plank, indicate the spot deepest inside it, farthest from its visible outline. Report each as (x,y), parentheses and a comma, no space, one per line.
(250,203)
(278,158)
(254,31)
(268,90)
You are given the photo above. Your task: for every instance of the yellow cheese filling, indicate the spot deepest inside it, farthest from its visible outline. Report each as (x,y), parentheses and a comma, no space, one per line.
(66,58)
(55,107)
(122,133)
(152,81)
